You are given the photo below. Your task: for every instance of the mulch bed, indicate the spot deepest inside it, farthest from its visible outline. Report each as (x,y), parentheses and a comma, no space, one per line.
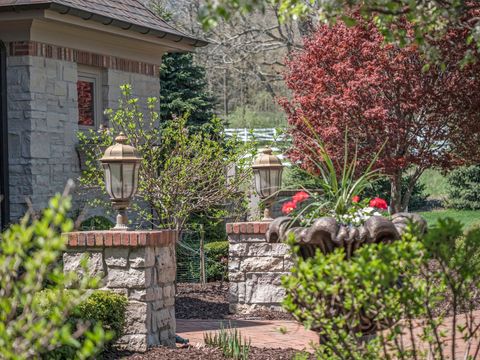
(194,301)
(205,353)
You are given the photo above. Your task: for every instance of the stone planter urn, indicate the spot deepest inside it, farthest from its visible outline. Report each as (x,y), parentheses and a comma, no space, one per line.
(327,234)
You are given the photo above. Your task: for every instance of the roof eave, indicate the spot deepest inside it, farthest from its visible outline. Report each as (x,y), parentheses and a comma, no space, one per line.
(105,20)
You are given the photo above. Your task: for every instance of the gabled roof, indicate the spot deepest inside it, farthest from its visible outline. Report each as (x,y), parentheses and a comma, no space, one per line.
(125,14)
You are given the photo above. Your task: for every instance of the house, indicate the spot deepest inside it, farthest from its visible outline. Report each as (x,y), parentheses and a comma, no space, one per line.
(61,65)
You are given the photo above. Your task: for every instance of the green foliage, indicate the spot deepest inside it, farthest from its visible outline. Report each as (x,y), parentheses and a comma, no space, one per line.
(382,188)
(248,117)
(418,280)
(338,186)
(30,254)
(216,265)
(183,172)
(435,183)
(464,188)
(101,308)
(230,342)
(184,90)
(96,223)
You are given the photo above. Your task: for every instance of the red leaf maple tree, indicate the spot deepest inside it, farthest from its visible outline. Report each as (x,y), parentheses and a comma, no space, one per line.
(346,80)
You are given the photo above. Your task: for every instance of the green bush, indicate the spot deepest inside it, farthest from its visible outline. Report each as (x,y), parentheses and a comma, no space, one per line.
(230,341)
(394,285)
(30,254)
(96,223)
(464,188)
(102,308)
(216,254)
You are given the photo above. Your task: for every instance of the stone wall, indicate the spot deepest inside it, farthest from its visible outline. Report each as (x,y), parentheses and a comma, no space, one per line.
(43,123)
(255,268)
(139,265)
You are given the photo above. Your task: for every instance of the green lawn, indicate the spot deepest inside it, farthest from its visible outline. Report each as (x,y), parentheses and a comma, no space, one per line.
(435,184)
(467,217)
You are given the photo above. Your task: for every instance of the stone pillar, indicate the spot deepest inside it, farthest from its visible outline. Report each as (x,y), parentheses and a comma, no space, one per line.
(139,265)
(255,268)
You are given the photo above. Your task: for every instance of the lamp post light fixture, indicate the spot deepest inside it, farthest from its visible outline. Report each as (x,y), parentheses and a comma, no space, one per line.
(121,163)
(267,170)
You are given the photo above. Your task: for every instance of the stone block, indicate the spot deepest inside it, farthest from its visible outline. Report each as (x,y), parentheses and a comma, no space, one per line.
(135,343)
(115,256)
(259,249)
(142,257)
(264,288)
(252,238)
(233,264)
(165,256)
(236,276)
(239,249)
(165,275)
(262,264)
(136,315)
(129,278)
(72,262)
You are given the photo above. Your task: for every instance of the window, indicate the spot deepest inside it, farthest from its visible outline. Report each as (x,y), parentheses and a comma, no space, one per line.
(89,90)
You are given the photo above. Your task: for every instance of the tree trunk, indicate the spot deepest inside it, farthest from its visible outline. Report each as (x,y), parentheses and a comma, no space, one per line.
(396,193)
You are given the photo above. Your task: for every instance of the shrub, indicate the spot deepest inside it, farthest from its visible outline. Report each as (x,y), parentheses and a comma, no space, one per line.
(30,254)
(464,188)
(102,308)
(216,254)
(412,281)
(96,223)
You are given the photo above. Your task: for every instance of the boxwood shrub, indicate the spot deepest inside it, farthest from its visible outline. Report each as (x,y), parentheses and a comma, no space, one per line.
(105,308)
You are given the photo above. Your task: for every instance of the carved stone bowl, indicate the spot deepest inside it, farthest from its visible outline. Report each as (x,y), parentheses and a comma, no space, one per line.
(327,234)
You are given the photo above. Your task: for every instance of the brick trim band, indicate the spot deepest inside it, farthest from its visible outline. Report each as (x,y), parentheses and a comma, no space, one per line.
(248,228)
(34,48)
(121,238)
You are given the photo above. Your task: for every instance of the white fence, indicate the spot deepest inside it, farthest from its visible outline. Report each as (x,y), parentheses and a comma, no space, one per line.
(269,135)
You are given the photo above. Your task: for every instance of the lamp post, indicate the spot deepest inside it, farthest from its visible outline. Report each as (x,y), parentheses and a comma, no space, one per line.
(121,163)
(267,170)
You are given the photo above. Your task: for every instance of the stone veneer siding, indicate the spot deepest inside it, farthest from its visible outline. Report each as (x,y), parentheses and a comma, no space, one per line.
(139,265)
(255,268)
(43,114)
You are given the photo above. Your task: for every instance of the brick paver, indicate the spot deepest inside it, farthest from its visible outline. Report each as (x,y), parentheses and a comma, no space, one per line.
(290,334)
(271,334)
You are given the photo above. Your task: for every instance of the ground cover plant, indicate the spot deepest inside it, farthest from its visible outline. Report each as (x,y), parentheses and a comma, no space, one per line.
(230,341)
(30,254)
(410,287)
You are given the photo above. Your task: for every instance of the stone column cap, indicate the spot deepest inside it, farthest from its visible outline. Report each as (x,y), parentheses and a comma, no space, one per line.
(110,238)
(252,227)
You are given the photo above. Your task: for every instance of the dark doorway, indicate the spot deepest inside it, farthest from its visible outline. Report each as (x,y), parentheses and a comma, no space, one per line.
(4,184)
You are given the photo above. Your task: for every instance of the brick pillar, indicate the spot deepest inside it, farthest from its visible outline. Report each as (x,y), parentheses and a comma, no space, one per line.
(140,265)
(255,268)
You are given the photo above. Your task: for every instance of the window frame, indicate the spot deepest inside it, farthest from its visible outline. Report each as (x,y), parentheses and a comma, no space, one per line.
(92,74)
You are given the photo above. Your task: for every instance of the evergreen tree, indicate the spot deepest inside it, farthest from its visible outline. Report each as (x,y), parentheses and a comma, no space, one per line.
(183,89)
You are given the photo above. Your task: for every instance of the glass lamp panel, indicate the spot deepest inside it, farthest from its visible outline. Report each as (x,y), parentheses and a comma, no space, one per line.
(135,179)
(258,185)
(276,180)
(265,183)
(108,179)
(116,179)
(128,179)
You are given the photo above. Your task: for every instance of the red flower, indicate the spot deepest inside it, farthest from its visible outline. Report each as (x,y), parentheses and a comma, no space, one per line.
(356,199)
(288,207)
(379,203)
(300,196)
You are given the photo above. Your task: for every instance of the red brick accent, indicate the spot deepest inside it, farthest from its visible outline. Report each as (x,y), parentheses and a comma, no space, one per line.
(254,227)
(34,48)
(121,238)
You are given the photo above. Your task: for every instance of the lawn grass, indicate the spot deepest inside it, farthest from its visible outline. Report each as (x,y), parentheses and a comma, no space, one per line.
(435,184)
(469,218)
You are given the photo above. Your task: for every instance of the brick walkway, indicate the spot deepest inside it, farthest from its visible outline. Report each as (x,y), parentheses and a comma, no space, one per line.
(290,334)
(270,334)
